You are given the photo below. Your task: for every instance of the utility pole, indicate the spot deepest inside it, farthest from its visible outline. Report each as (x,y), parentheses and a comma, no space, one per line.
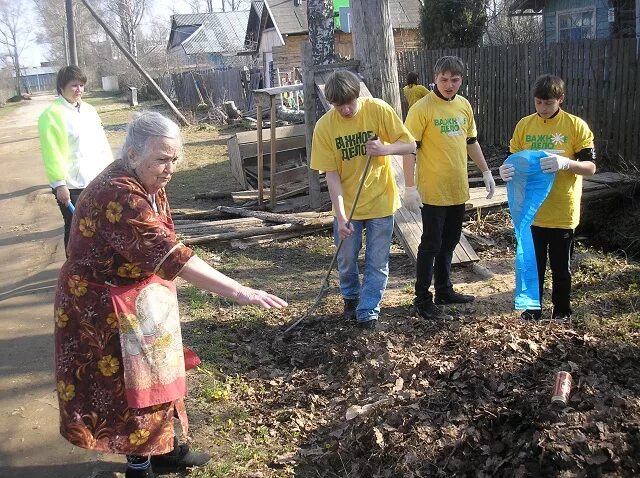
(65,46)
(71,33)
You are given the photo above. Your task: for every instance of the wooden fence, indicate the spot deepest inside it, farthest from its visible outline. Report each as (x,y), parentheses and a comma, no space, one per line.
(602,80)
(209,86)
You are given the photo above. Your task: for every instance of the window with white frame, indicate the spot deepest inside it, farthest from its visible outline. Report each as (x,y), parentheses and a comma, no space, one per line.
(576,25)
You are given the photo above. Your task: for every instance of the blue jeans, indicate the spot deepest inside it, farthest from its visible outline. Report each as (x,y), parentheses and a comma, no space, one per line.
(376,264)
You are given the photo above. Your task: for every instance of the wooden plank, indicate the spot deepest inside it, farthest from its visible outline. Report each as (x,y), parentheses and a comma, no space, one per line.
(612,97)
(291,175)
(284,155)
(259,152)
(235,162)
(479,199)
(633,154)
(281,132)
(248,150)
(313,176)
(274,151)
(408,228)
(607,178)
(626,94)
(278,90)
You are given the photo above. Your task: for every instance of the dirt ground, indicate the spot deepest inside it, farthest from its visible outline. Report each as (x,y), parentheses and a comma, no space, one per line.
(31,254)
(465,397)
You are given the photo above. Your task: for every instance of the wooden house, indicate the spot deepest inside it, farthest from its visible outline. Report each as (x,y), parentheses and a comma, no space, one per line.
(571,20)
(277,28)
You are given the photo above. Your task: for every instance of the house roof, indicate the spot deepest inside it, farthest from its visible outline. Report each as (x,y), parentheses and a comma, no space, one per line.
(519,7)
(291,19)
(221,32)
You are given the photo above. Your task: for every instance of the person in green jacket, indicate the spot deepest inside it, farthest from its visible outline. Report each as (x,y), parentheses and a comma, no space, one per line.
(74,146)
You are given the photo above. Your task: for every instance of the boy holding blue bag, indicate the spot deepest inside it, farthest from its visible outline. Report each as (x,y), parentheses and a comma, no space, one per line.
(569,141)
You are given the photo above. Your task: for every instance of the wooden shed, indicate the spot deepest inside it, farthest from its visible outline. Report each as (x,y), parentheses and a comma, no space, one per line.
(291,154)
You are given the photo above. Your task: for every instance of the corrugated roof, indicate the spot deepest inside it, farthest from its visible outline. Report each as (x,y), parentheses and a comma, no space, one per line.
(190,19)
(292,19)
(221,32)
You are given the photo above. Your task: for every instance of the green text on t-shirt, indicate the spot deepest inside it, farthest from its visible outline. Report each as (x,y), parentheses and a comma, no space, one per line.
(448,125)
(545,141)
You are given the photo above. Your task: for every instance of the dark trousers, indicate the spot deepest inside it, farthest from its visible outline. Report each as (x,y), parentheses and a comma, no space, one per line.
(558,244)
(66,214)
(441,228)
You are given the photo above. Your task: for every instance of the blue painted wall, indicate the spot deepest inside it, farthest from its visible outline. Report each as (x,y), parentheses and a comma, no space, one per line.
(552,7)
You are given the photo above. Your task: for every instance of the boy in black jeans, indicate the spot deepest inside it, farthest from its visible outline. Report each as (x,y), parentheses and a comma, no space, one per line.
(551,128)
(443,124)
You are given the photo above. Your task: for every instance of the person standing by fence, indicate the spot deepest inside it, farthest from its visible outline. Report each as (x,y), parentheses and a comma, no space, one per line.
(74,146)
(569,137)
(413,91)
(445,129)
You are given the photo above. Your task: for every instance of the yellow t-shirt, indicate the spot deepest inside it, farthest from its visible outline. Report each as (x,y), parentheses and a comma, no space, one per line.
(414,92)
(339,144)
(567,135)
(442,127)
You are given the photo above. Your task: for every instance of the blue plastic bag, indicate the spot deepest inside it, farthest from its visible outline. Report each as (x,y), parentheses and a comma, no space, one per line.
(525,194)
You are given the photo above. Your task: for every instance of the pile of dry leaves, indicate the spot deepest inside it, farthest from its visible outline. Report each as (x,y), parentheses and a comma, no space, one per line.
(415,398)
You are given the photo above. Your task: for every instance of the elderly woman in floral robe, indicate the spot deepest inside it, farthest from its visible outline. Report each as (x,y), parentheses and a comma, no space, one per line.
(122,234)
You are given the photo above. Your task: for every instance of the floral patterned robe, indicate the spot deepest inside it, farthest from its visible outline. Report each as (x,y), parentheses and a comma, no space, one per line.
(116,238)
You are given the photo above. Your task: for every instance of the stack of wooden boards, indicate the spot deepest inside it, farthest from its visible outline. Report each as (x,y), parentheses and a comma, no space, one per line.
(253,227)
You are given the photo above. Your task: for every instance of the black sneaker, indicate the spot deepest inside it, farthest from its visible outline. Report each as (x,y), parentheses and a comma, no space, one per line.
(453,298)
(531,315)
(350,306)
(368,324)
(561,316)
(131,473)
(428,310)
(180,458)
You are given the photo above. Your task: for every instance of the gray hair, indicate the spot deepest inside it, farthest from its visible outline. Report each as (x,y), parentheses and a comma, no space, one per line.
(142,128)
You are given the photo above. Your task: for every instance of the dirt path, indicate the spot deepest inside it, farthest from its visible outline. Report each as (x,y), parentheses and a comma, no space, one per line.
(31,253)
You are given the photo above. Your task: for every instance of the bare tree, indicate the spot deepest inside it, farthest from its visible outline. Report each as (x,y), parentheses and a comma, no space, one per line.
(230,5)
(505,29)
(210,6)
(92,45)
(127,14)
(195,6)
(14,35)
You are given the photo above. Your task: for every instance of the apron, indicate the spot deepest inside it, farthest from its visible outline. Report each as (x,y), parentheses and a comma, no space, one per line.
(151,341)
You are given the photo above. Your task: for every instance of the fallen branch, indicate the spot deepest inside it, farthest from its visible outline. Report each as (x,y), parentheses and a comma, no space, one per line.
(213,195)
(321,219)
(255,231)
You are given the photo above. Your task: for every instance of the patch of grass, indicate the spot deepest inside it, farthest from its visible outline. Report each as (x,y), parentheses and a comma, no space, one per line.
(9,108)
(217,391)
(214,348)
(200,300)
(217,470)
(605,294)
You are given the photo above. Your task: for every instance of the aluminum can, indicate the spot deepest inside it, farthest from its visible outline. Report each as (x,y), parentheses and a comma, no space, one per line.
(562,388)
